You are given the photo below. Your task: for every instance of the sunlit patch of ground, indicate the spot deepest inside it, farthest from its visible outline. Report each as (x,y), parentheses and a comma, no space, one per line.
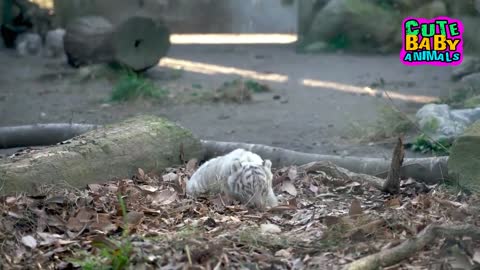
(211,69)
(235,38)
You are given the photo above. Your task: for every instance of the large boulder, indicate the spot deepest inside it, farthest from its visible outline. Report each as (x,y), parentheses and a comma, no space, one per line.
(349,23)
(464,160)
(469,65)
(440,122)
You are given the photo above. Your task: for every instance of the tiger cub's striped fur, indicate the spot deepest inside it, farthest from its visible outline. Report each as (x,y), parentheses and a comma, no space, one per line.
(241,174)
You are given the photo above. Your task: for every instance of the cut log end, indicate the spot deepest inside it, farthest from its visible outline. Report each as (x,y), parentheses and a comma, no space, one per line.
(138,42)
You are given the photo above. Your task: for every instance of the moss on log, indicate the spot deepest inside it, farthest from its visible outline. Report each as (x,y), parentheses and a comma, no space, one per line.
(114,151)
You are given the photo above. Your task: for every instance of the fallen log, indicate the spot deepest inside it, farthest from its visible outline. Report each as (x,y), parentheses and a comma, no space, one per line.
(138,42)
(113,151)
(428,170)
(40,134)
(342,173)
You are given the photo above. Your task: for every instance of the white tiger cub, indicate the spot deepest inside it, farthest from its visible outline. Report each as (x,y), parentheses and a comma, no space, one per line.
(241,174)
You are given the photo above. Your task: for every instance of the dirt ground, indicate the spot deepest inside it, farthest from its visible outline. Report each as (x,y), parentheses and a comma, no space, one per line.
(316,116)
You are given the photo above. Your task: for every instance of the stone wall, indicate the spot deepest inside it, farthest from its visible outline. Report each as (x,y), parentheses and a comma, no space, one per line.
(188,16)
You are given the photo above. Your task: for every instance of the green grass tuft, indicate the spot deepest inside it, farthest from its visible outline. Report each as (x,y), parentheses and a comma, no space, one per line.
(132,86)
(113,255)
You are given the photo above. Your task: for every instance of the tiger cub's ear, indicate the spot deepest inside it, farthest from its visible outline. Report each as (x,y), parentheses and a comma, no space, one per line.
(236,165)
(267,164)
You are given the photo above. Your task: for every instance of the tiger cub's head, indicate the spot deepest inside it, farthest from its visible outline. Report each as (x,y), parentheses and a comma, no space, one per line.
(251,183)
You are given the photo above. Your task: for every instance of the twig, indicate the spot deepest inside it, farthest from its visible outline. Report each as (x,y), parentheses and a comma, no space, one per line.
(411,246)
(340,173)
(369,227)
(392,183)
(187,250)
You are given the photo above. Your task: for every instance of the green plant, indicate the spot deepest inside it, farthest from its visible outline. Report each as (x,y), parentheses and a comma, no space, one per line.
(431,126)
(425,145)
(132,85)
(113,255)
(256,87)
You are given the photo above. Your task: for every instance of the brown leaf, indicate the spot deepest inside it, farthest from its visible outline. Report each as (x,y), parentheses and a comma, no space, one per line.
(102,222)
(100,241)
(164,197)
(331,220)
(292,173)
(96,188)
(148,188)
(288,187)
(74,225)
(285,253)
(313,188)
(355,208)
(170,177)
(134,218)
(393,203)
(11,200)
(85,215)
(141,173)
(49,239)
(191,165)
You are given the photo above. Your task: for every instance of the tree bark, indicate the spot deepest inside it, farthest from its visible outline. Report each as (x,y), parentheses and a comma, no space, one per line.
(392,183)
(109,152)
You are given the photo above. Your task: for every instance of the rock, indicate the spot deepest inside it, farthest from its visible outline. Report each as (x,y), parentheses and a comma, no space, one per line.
(350,23)
(54,43)
(439,122)
(469,65)
(471,80)
(431,10)
(28,44)
(471,35)
(460,8)
(464,159)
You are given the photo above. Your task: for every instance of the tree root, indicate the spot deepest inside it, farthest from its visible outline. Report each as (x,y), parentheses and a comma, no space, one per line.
(428,170)
(411,246)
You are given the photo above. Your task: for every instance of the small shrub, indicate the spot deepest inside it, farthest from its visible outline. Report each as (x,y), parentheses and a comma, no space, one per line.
(425,145)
